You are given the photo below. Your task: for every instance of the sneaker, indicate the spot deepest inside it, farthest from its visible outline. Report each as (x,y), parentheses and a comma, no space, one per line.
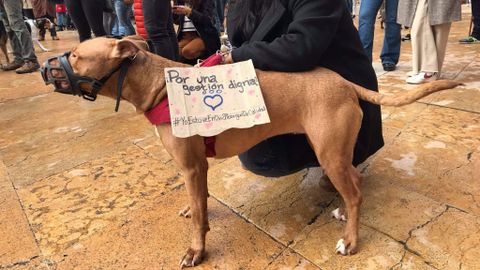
(12,66)
(29,66)
(411,73)
(388,66)
(469,40)
(422,77)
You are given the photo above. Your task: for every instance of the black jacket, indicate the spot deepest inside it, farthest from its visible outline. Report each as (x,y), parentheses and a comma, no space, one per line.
(298,35)
(203,18)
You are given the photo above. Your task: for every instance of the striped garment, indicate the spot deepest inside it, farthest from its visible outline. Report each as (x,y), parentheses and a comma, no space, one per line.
(188,25)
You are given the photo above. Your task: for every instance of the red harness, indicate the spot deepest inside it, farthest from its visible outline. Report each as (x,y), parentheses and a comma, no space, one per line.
(160,114)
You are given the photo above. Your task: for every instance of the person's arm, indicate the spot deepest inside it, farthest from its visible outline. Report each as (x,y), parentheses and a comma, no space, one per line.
(204,15)
(311,32)
(199,15)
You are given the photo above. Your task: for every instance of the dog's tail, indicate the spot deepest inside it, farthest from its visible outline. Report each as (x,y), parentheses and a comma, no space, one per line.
(406,97)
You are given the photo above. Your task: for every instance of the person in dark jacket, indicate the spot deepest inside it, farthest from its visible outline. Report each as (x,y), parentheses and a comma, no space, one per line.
(158,22)
(299,35)
(197,35)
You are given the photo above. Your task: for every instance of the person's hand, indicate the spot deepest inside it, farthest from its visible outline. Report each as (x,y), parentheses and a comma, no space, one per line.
(182,10)
(227,58)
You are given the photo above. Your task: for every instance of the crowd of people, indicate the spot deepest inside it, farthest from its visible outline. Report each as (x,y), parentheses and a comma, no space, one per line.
(278,35)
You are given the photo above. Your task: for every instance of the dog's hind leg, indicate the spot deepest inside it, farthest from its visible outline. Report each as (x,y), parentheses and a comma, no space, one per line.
(333,140)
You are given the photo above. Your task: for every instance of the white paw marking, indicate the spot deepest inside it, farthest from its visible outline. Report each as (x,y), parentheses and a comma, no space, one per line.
(338,215)
(341,247)
(156,131)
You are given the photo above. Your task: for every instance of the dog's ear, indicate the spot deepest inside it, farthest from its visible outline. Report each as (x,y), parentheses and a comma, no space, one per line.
(124,48)
(142,43)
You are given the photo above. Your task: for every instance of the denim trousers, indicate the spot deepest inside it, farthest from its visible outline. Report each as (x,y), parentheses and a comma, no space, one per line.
(366,27)
(158,21)
(61,19)
(124,21)
(20,38)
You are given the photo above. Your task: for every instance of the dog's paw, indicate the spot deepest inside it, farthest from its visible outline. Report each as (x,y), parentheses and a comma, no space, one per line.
(339,214)
(345,247)
(185,212)
(191,258)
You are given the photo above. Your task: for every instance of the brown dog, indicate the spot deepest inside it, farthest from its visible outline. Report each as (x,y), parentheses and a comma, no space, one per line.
(327,111)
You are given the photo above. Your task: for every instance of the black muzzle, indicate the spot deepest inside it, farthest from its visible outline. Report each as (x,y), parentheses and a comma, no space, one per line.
(58,71)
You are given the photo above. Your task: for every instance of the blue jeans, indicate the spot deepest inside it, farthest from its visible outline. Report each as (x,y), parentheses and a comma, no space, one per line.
(62,19)
(391,42)
(122,12)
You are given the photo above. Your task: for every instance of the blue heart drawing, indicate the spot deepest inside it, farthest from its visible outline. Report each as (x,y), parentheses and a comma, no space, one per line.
(213,101)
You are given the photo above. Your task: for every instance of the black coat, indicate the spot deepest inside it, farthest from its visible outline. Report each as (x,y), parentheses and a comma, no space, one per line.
(203,18)
(298,35)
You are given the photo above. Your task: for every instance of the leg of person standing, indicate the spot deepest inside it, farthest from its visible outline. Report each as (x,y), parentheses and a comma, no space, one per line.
(392,39)
(87,16)
(122,12)
(14,43)
(476,19)
(428,46)
(21,39)
(366,24)
(77,15)
(474,37)
(159,25)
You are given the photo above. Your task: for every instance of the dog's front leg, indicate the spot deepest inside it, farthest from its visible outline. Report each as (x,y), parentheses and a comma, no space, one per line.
(196,183)
(189,154)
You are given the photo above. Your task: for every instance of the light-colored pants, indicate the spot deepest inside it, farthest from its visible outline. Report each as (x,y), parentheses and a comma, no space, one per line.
(429,42)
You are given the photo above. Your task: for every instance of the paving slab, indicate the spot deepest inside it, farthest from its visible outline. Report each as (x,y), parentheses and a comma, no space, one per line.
(156,237)
(69,131)
(18,246)
(442,171)
(290,260)
(431,241)
(317,244)
(279,206)
(74,205)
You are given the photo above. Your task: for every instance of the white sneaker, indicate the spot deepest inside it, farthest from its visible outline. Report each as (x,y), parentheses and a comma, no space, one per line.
(422,77)
(411,73)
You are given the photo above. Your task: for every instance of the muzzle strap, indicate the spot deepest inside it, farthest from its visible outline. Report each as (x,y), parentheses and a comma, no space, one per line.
(121,78)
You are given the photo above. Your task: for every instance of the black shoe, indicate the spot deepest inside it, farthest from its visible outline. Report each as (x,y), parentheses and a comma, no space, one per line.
(388,66)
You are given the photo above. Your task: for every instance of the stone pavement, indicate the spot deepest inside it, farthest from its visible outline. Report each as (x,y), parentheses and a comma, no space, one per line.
(83,187)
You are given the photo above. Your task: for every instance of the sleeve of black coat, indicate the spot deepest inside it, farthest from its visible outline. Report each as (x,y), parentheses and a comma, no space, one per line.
(203,15)
(311,32)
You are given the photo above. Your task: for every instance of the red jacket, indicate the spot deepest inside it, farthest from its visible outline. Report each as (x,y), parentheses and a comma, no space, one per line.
(138,13)
(61,8)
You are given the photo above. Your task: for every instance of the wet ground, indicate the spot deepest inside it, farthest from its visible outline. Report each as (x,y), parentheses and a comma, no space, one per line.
(83,187)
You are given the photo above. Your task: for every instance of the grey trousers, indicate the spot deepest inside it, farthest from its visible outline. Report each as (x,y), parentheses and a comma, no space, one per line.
(20,38)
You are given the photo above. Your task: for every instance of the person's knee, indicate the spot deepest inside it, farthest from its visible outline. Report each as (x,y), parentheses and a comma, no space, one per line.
(191,52)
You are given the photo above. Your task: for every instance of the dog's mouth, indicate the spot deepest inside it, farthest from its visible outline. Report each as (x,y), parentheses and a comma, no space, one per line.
(58,71)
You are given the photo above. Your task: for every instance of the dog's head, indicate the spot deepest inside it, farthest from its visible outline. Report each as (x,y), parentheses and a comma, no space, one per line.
(88,67)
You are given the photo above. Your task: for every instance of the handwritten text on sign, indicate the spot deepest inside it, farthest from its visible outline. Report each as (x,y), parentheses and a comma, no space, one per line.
(209,100)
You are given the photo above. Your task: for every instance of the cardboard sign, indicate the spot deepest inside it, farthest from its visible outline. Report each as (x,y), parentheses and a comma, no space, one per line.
(209,100)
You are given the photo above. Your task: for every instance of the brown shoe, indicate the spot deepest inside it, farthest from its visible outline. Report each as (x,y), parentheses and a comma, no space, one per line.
(28,67)
(12,66)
